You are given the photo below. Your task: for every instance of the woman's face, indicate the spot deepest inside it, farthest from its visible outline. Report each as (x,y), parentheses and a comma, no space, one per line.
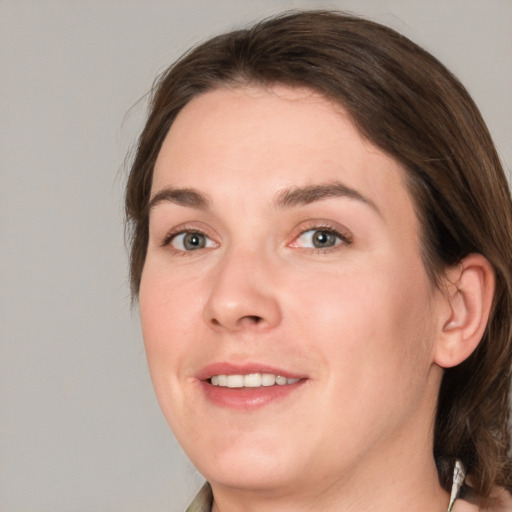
(288,320)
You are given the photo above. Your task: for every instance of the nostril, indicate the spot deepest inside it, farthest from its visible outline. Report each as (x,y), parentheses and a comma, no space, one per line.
(246,321)
(253,319)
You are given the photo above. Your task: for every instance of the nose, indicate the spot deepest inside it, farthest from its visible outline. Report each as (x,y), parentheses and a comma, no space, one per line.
(243,295)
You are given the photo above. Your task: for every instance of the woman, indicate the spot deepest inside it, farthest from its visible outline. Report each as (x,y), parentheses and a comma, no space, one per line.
(320,246)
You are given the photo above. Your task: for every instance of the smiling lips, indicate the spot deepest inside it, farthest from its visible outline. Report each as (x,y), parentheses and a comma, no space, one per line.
(246,387)
(251,380)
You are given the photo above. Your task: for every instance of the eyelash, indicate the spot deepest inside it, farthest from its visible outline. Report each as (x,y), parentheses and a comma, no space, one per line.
(183,230)
(345,238)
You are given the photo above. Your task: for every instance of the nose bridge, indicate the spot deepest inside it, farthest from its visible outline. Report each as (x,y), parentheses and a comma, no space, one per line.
(242,293)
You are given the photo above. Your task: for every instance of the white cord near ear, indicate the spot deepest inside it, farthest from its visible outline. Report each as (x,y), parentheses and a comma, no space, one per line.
(459,475)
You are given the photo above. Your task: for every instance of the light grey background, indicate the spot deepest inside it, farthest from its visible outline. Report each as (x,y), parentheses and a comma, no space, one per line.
(80,429)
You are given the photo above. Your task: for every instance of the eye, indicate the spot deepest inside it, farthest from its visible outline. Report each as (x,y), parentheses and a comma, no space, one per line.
(319,238)
(191,241)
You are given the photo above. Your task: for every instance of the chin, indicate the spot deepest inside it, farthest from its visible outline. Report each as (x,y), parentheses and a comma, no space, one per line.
(260,475)
(252,465)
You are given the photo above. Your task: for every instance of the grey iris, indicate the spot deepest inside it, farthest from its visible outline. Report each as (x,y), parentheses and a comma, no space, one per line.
(192,241)
(324,239)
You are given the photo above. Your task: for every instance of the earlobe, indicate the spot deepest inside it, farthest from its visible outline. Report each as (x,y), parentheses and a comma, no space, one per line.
(465,311)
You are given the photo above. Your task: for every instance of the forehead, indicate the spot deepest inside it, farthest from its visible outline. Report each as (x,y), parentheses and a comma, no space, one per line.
(264,140)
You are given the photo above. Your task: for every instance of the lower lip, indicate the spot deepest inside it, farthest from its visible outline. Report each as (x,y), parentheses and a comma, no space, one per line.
(247,398)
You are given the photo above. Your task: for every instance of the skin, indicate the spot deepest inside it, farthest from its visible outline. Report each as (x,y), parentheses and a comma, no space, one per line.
(359,321)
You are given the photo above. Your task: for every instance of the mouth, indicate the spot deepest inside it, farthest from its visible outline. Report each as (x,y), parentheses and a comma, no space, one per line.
(251,380)
(247,387)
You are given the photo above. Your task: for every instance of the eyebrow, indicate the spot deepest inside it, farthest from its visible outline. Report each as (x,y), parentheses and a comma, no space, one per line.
(180,196)
(287,198)
(291,197)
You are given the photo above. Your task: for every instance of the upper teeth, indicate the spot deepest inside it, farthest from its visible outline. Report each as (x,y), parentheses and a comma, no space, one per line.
(251,380)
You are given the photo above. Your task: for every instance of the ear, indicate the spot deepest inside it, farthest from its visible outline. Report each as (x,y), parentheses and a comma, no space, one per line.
(465,308)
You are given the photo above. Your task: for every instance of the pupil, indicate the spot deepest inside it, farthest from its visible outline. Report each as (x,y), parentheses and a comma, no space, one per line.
(194,241)
(323,239)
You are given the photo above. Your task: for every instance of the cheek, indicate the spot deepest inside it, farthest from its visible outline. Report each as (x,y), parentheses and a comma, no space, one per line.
(169,312)
(170,318)
(366,324)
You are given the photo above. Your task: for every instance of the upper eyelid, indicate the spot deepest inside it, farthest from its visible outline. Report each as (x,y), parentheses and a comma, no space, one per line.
(323,228)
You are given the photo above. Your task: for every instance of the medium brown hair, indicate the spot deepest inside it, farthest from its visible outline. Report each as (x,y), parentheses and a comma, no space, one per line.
(409,105)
